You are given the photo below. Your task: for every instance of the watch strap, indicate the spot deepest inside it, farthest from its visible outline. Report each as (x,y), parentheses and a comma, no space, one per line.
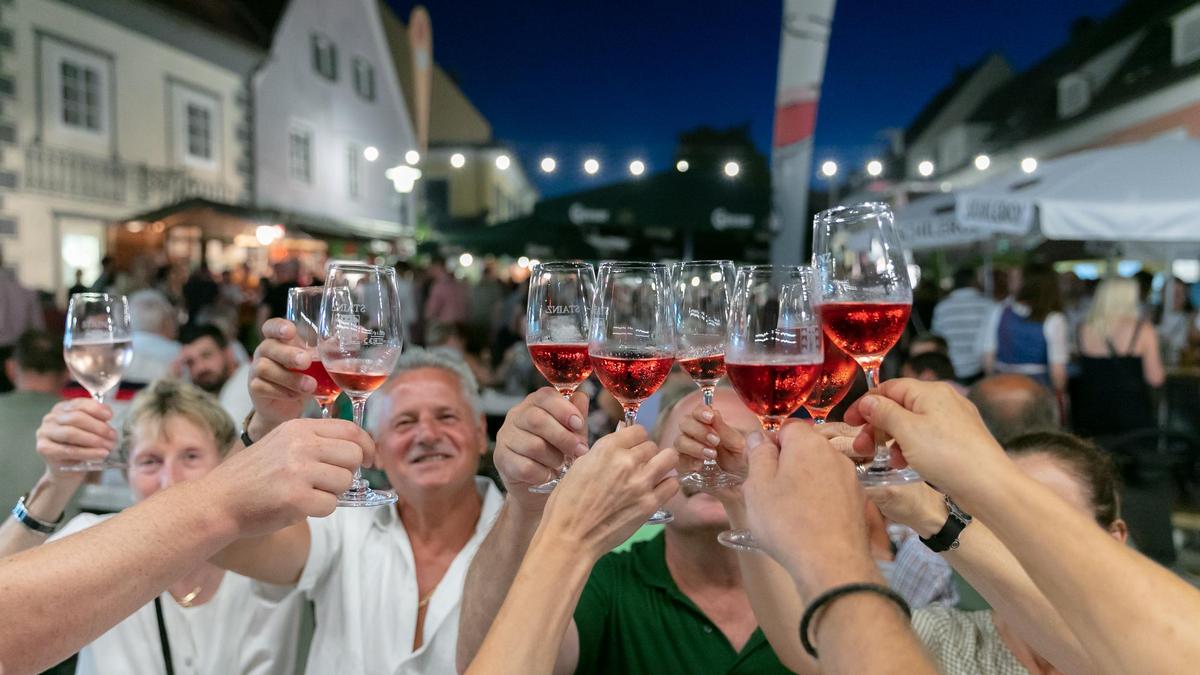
(22,515)
(946,538)
(246,440)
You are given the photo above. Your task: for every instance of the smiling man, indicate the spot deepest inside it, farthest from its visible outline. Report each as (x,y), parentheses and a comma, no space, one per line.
(387,582)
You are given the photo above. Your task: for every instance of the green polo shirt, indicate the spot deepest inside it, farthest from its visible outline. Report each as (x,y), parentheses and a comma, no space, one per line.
(633,619)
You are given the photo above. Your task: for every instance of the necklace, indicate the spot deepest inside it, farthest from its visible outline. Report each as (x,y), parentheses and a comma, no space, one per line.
(187,600)
(425,600)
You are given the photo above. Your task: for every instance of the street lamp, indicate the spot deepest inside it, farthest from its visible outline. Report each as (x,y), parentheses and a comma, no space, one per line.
(982,162)
(1029,165)
(829,168)
(591,165)
(925,168)
(548,164)
(874,168)
(458,160)
(502,162)
(681,166)
(637,167)
(412,157)
(732,169)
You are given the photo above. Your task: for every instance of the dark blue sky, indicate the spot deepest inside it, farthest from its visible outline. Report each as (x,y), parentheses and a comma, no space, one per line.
(619,79)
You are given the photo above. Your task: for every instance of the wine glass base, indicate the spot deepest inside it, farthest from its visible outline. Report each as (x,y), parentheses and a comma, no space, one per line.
(870,477)
(545,488)
(660,517)
(87,467)
(739,540)
(705,481)
(367,497)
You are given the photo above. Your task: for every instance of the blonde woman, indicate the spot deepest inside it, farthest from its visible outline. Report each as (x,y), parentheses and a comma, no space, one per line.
(1119,361)
(209,620)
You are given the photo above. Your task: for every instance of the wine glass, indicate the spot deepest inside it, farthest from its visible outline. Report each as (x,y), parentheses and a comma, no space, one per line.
(304,311)
(702,290)
(98,347)
(632,337)
(837,375)
(865,301)
(560,304)
(361,335)
(775,350)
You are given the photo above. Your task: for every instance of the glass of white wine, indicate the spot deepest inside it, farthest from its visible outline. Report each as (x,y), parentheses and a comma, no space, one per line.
(98,347)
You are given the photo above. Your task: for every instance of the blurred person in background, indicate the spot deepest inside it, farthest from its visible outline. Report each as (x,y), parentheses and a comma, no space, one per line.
(20,311)
(108,275)
(1029,335)
(1179,329)
(208,361)
(1119,361)
(37,370)
(152,319)
(487,296)
(226,319)
(455,338)
(275,293)
(213,621)
(78,286)
(931,367)
(449,300)
(928,343)
(199,291)
(406,292)
(958,318)
(1012,405)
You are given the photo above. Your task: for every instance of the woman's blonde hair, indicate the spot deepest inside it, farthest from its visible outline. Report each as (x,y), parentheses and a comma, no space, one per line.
(1115,299)
(164,398)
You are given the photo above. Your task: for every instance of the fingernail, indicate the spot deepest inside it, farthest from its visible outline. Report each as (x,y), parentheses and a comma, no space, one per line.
(576,422)
(868,405)
(710,453)
(581,449)
(712,439)
(755,439)
(706,415)
(299,360)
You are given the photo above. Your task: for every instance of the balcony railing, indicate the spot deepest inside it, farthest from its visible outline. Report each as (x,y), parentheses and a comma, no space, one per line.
(74,174)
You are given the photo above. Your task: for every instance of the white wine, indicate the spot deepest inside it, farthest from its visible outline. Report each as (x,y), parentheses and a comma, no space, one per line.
(98,365)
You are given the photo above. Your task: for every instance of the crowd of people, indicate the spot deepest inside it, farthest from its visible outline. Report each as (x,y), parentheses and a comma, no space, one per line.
(233,532)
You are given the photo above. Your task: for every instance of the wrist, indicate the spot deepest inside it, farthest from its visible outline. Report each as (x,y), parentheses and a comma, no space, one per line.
(50,495)
(932,517)
(813,577)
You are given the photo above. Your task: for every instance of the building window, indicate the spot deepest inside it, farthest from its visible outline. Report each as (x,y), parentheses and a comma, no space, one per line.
(81,96)
(199,132)
(195,124)
(300,155)
(1185,37)
(324,54)
(354,159)
(1074,95)
(364,78)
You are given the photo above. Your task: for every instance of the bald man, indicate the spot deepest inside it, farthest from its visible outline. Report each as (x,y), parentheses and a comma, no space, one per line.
(1012,405)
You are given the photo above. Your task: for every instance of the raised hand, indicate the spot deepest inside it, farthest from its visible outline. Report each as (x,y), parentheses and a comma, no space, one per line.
(704,434)
(535,437)
(74,431)
(278,390)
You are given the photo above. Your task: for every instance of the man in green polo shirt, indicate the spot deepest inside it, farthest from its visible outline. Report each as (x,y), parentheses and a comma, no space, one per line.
(672,604)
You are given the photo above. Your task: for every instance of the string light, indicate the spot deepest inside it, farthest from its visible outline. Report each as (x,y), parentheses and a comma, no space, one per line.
(548,164)
(412,157)
(591,165)
(874,168)
(732,169)
(637,167)
(457,160)
(681,166)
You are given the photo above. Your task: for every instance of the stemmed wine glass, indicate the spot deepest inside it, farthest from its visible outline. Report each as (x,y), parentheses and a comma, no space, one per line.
(632,337)
(98,347)
(837,375)
(558,314)
(865,301)
(702,290)
(304,311)
(361,336)
(775,350)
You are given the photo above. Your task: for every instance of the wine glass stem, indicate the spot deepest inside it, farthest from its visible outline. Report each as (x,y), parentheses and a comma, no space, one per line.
(325,414)
(819,419)
(708,394)
(360,406)
(562,469)
(99,397)
(883,456)
(631,415)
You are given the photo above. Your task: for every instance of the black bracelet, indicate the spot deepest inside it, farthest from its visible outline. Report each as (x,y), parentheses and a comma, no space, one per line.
(837,592)
(246,441)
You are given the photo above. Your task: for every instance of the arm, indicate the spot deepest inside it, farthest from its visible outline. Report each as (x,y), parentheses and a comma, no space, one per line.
(277,558)
(987,340)
(1152,364)
(605,497)
(1058,349)
(73,431)
(531,444)
(1099,587)
(107,572)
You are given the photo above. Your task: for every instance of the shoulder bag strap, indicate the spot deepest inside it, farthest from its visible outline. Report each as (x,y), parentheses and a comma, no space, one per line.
(1137,330)
(162,636)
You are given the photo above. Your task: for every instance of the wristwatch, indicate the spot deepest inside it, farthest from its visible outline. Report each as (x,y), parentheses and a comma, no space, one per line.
(25,518)
(946,538)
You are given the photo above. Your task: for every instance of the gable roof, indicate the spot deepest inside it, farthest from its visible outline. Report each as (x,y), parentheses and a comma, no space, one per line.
(941,99)
(252,21)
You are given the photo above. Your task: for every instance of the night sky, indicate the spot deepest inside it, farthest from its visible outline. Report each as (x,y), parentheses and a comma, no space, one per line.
(619,79)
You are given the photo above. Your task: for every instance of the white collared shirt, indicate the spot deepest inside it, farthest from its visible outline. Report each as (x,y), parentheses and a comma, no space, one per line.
(362,577)
(246,628)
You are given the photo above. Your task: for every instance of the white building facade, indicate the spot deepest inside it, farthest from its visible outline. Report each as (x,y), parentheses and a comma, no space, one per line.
(331,120)
(107,109)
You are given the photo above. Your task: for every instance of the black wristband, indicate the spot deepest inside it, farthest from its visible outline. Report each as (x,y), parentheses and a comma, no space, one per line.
(946,539)
(837,592)
(246,441)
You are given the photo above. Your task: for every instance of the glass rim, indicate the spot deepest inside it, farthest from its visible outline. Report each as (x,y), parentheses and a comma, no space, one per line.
(632,265)
(298,290)
(698,263)
(557,265)
(388,269)
(844,213)
(772,268)
(97,295)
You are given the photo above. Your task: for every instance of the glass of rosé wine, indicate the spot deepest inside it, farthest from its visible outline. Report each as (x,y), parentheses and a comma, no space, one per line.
(556,331)
(837,376)
(702,293)
(304,311)
(775,350)
(632,336)
(97,347)
(361,337)
(865,299)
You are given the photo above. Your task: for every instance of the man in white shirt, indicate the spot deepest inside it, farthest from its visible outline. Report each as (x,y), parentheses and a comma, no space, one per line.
(386,582)
(959,318)
(210,363)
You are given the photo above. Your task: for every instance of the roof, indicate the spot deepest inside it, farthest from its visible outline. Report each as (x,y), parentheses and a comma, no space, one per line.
(939,101)
(251,21)
(1027,105)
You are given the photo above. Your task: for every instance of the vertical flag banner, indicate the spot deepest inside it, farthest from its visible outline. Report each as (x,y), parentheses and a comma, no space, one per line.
(803,42)
(420,39)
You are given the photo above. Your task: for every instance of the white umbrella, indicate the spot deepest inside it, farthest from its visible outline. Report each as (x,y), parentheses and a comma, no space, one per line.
(1147,192)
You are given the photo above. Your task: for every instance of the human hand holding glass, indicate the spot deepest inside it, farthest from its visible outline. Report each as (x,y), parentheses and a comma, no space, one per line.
(558,315)
(360,341)
(97,347)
